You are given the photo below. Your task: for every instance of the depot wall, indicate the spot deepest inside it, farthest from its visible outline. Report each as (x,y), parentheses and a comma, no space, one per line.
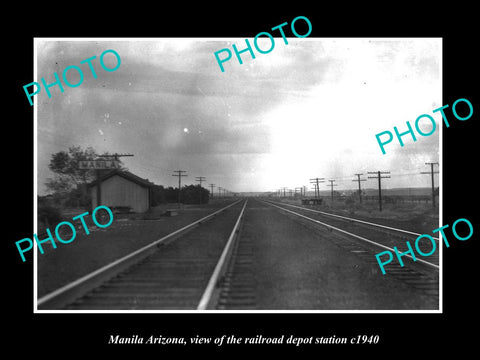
(120,192)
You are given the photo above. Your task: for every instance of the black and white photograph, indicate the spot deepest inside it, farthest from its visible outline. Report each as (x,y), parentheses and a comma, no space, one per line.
(283,182)
(252,188)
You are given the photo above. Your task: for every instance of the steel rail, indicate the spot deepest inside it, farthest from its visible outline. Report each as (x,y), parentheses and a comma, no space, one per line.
(350,234)
(352,219)
(207,296)
(69,291)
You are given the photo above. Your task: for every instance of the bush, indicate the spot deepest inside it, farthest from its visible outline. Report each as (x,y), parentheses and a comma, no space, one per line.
(194,194)
(77,198)
(349,201)
(48,215)
(158,195)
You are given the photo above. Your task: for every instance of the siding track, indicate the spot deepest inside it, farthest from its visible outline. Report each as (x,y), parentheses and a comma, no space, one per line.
(217,263)
(423,275)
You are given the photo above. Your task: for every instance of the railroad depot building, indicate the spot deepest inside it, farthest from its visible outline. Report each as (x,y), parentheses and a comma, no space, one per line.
(122,190)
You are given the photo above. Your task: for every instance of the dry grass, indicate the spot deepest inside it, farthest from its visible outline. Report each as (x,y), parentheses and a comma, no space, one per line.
(127,233)
(414,216)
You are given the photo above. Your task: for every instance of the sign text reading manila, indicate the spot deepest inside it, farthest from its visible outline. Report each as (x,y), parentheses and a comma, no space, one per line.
(64,75)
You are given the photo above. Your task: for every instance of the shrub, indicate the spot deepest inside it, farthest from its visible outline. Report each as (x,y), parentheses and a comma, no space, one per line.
(48,215)
(349,201)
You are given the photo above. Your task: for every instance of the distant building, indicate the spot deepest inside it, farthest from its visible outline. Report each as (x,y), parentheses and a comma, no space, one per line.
(122,189)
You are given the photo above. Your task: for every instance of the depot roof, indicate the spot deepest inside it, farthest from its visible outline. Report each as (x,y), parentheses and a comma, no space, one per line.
(127,175)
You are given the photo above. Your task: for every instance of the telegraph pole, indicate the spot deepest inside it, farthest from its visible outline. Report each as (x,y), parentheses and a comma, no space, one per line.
(298,188)
(331,186)
(379,177)
(211,187)
(179,174)
(116,156)
(219,188)
(317,188)
(433,184)
(200,179)
(284,188)
(359,188)
(312,181)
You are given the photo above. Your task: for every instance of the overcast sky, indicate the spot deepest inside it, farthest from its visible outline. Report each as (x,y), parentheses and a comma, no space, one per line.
(308,109)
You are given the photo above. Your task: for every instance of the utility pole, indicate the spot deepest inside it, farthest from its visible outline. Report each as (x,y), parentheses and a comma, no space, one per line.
(379,177)
(433,184)
(317,188)
(116,156)
(331,186)
(179,174)
(211,187)
(300,189)
(219,191)
(284,188)
(200,179)
(359,188)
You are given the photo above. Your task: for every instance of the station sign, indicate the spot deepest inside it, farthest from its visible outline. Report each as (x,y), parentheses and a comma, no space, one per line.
(99,164)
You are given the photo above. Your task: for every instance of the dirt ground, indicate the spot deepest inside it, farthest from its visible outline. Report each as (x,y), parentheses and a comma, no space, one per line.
(297,268)
(128,232)
(412,216)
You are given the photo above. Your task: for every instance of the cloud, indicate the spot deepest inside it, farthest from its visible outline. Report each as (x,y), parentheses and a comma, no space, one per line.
(309,108)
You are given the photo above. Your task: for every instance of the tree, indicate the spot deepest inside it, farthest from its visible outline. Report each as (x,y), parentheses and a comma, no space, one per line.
(171,195)
(194,194)
(69,181)
(157,195)
(67,175)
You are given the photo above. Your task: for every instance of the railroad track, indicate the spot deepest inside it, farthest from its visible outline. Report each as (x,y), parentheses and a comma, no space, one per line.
(365,239)
(186,270)
(208,265)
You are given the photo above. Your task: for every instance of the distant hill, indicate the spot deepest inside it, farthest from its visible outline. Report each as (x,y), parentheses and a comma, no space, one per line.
(412,191)
(401,191)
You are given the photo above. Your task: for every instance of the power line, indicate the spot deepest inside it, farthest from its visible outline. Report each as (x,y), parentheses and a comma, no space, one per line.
(200,179)
(359,188)
(379,177)
(317,188)
(298,188)
(433,184)
(331,186)
(180,174)
(116,156)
